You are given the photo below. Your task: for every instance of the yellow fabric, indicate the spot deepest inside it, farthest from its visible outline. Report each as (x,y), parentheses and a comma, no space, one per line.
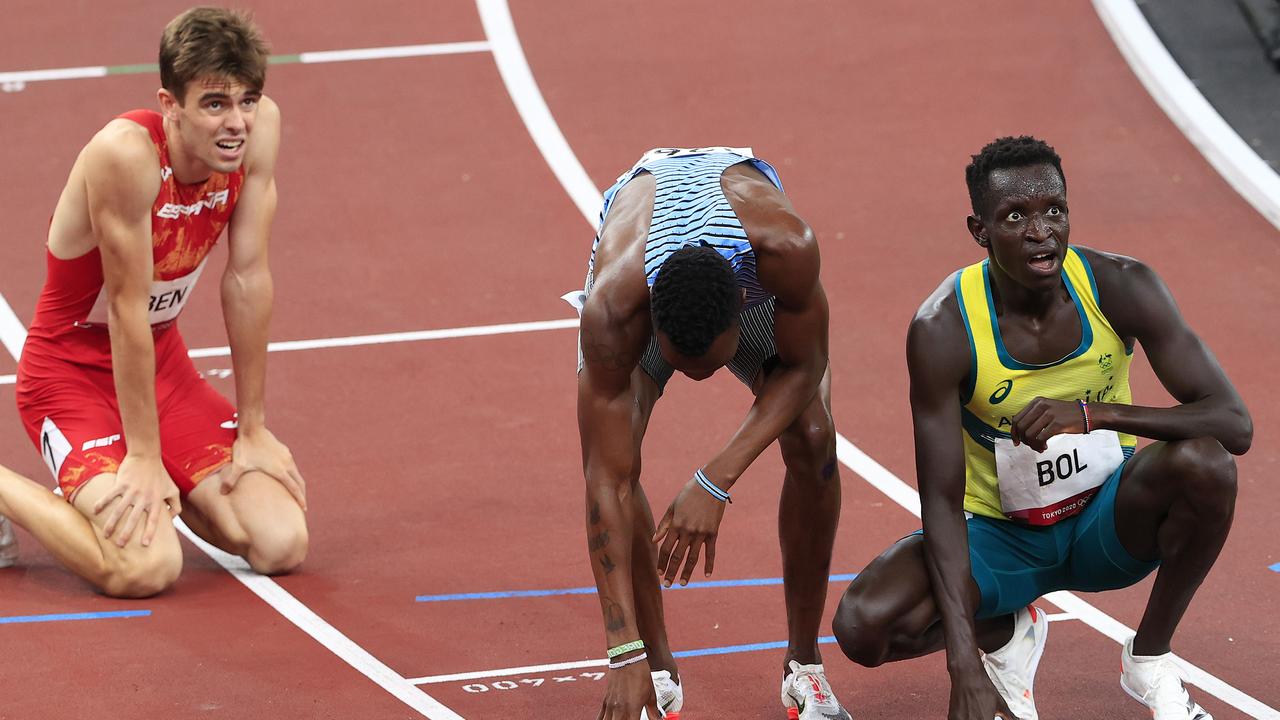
(1000,386)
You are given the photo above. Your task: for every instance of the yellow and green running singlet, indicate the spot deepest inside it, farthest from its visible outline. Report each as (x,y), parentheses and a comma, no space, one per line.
(1002,481)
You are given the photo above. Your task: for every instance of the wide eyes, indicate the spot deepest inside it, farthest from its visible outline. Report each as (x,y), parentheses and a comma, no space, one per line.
(1016,216)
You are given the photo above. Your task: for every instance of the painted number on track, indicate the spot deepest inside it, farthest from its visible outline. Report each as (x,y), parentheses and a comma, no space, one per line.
(530,682)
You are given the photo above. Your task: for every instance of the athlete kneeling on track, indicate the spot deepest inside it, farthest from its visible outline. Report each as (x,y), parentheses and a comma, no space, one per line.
(106,390)
(1023,420)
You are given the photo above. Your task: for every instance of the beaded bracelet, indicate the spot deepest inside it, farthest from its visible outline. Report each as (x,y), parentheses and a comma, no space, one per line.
(711,487)
(625,648)
(1084,410)
(629,661)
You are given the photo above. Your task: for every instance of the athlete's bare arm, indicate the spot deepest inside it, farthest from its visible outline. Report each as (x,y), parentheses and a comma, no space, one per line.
(1139,306)
(787,264)
(938,363)
(121,181)
(615,329)
(247,296)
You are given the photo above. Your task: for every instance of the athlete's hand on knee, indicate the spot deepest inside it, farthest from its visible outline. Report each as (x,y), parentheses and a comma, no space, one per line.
(973,697)
(143,487)
(1043,418)
(628,690)
(260,451)
(692,522)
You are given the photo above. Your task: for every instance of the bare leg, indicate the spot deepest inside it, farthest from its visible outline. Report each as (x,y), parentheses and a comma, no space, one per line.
(888,612)
(74,536)
(1176,501)
(808,513)
(259,520)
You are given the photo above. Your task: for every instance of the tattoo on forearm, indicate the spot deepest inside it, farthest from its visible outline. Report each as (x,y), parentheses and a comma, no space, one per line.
(614,618)
(607,564)
(599,541)
(604,354)
(595,513)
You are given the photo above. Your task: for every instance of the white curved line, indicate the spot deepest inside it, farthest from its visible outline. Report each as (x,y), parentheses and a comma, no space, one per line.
(515,72)
(501,33)
(1174,92)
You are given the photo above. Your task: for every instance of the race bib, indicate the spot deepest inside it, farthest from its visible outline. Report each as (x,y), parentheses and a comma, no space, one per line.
(1043,488)
(168,298)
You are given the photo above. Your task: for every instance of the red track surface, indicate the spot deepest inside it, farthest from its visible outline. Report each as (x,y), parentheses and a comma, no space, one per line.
(413,198)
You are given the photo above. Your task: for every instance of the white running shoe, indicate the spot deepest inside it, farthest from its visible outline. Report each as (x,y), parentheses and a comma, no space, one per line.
(1012,668)
(8,543)
(807,695)
(1156,682)
(669,693)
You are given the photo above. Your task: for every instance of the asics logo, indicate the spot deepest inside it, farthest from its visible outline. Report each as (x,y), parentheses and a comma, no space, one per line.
(172,211)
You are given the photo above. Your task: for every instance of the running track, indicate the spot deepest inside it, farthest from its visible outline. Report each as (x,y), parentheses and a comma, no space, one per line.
(414,196)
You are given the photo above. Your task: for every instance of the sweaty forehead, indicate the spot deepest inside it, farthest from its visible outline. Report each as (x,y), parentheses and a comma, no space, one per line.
(1027,181)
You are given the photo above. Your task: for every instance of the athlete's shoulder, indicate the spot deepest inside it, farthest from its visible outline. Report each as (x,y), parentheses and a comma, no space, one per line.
(1119,277)
(937,338)
(122,154)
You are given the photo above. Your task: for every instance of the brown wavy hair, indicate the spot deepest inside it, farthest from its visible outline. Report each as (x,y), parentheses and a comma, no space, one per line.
(210,41)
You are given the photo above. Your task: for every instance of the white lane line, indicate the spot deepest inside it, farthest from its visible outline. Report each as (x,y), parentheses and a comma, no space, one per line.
(400,51)
(12,332)
(507,672)
(523,89)
(400,337)
(379,339)
(520,85)
(74,73)
(1174,92)
(324,633)
(1060,617)
(18,78)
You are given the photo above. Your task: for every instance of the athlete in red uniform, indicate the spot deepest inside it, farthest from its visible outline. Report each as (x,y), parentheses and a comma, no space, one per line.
(106,390)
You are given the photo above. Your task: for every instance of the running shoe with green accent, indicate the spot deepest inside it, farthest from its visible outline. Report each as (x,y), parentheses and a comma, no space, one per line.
(1155,681)
(1012,668)
(807,695)
(8,543)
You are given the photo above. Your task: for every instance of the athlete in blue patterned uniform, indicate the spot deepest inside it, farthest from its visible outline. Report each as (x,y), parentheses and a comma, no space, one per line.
(1024,421)
(702,263)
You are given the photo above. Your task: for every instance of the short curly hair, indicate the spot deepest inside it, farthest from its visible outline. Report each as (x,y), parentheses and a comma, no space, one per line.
(695,298)
(1002,153)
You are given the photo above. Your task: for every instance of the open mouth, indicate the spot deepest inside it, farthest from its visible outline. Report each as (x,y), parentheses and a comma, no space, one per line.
(230,145)
(1045,262)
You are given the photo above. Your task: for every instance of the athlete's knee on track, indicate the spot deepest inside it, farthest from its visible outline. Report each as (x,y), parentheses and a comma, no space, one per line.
(1208,473)
(279,549)
(862,633)
(142,572)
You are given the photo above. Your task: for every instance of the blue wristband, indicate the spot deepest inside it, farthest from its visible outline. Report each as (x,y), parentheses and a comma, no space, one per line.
(711,487)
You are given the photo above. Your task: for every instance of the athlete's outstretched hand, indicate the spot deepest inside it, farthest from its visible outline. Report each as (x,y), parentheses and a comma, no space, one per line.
(260,451)
(143,486)
(973,697)
(628,691)
(1043,418)
(692,521)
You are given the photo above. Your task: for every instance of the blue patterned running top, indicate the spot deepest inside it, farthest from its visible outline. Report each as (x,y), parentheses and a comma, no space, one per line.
(689,208)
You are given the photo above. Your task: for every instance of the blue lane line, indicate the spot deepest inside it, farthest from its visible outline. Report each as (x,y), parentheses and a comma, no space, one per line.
(730,649)
(745,582)
(73,616)
(1275,568)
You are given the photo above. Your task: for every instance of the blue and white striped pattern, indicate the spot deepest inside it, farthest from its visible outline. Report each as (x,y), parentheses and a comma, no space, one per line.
(711,487)
(689,208)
